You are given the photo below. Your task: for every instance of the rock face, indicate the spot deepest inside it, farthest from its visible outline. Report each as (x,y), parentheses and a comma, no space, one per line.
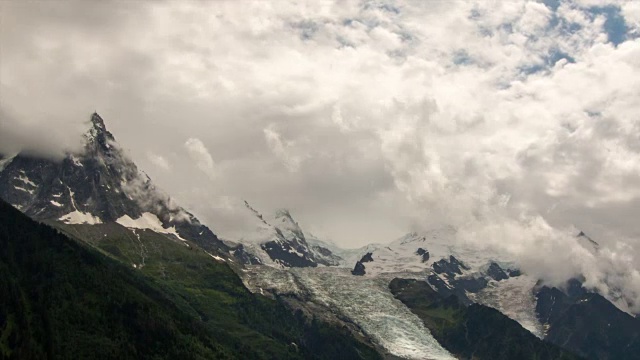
(288,255)
(245,257)
(514,272)
(471,284)
(451,277)
(496,272)
(587,323)
(98,185)
(448,289)
(451,267)
(368,257)
(359,269)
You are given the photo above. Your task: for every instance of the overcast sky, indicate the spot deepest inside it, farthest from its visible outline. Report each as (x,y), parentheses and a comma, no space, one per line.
(365,119)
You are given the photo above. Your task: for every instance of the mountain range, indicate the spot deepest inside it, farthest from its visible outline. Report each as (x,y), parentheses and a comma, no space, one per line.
(276,291)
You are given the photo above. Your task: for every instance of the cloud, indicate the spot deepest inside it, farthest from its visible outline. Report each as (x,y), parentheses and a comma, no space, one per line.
(159,161)
(512,120)
(283,150)
(199,153)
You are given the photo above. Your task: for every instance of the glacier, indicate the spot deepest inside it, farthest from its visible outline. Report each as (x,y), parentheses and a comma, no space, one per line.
(366,301)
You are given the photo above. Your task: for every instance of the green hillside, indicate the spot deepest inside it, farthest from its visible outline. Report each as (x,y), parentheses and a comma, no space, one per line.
(63,299)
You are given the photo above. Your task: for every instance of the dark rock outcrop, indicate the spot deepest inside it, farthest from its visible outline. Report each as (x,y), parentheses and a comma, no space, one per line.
(496,273)
(286,255)
(444,290)
(368,257)
(471,284)
(240,253)
(587,323)
(458,263)
(514,272)
(423,253)
(359,269)
(449,267)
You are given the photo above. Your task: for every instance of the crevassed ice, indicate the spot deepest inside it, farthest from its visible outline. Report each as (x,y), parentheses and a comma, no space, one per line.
(366,301)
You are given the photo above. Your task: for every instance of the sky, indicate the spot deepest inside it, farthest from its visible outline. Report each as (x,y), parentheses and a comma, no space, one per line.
(513,121)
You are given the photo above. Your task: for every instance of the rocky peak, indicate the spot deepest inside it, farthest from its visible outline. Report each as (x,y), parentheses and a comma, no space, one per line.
(284,216)
(279,239)
(586,237)
(99,185)
(97,136)
(254,212)
(288,226)
(98,123)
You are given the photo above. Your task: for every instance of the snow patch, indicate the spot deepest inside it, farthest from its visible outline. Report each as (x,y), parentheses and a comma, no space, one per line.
(75,161)
(215,257)
(26,180)
(55,203)
(73,202)
(78,217)
(23,189)
(147,221)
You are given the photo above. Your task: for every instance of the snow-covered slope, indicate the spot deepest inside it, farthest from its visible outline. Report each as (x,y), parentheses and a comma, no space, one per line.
(450,267)
(98,185)
(416,252)
(473,274)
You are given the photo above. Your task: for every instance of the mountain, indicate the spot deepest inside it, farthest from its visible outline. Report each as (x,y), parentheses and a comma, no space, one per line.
(59,299)
(366,300)
(319,300)
(99,185)
(62,299)
(587,323)
(474,275)
(278,240)
(478,284)
(572,317)
(108,207)
(474,331)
